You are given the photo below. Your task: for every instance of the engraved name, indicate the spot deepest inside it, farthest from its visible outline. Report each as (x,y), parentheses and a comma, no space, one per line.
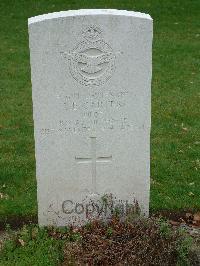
(86,112)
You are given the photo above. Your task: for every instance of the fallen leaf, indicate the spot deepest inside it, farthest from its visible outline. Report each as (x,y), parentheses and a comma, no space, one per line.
(3,196)
(182,220)
(191,194)
(21,241)
(198,162)
(194,226)
(174,222)
(189,215)
(196,218)
(191,184)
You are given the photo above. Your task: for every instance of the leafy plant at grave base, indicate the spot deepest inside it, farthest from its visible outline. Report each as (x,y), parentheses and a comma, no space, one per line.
(119,208)
(142,242)
(107,200)
(133,211)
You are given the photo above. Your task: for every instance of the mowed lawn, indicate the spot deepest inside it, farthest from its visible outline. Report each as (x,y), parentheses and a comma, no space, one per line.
(175,138)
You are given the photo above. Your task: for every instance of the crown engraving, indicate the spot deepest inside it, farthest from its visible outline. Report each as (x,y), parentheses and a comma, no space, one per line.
(92,33)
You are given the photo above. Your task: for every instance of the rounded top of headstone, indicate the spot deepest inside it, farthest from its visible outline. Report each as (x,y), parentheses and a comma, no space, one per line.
(87,12)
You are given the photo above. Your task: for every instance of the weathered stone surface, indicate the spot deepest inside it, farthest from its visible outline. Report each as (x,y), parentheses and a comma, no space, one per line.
(91,88)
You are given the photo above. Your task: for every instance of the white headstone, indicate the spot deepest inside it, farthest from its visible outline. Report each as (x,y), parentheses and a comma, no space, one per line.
(91,88)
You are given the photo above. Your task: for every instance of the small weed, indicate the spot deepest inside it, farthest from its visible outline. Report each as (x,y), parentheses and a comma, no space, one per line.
(109,231)
(165,229)
(184,246)
(63,230)
(75,237)
(88,226)
(8,228)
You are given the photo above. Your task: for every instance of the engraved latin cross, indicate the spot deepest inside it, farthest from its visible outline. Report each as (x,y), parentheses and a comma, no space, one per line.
(93,160)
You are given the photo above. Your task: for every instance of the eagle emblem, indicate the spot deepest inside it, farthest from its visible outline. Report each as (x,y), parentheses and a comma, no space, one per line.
(92,60)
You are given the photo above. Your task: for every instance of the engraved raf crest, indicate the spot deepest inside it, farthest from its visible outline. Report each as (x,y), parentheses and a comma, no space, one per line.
(92,60)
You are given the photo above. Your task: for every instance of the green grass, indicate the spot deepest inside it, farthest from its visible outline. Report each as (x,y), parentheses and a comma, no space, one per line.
(175,138)
(31,246)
